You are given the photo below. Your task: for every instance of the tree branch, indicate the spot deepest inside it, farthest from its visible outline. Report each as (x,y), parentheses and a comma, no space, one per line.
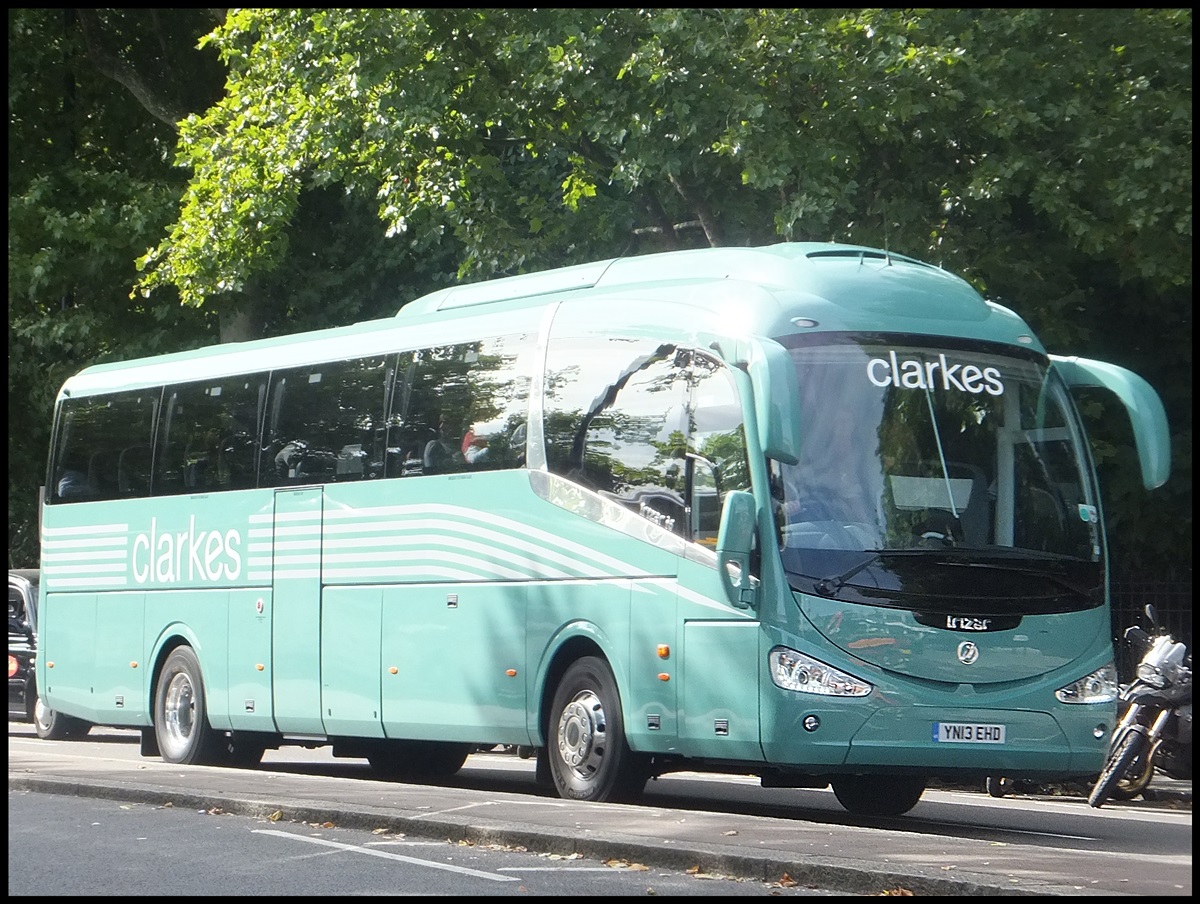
(712,229)
(115,68)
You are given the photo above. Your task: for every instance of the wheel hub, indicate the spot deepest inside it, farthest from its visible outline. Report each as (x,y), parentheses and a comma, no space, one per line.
(582,733)
(179,709)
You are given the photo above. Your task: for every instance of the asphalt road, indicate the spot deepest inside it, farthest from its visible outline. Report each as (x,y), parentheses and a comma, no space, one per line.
(952,843)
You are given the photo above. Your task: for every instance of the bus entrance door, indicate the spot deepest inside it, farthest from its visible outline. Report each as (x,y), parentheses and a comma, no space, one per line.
(296,624)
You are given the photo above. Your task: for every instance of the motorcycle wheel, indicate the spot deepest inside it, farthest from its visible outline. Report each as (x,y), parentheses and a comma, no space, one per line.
(1136,778)
(998,787)
(1128,748)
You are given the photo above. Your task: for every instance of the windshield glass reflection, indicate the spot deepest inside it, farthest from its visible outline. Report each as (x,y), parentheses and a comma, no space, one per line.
(970,455)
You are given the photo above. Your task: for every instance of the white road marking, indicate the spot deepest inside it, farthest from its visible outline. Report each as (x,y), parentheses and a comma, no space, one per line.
(355,849)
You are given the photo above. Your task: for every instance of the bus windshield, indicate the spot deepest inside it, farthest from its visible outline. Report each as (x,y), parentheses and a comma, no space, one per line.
(956,471)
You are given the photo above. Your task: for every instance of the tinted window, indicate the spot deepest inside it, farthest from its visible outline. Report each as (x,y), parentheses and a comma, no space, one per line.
(103,448)
(650,425)
(462,407)
(209,436)
(326,423)
(716,444)
(616,422)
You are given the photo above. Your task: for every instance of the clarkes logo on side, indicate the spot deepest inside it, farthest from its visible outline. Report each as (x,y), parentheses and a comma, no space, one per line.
(165,557)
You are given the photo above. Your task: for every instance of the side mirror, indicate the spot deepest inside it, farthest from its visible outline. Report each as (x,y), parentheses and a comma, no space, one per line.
(735,543)
(776,393)
(1151,435)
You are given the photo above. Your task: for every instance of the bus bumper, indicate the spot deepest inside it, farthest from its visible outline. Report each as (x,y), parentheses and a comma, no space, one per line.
(1070,742)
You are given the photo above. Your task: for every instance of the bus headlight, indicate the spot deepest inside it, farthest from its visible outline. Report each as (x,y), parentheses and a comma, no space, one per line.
(794,671)
(1099,687)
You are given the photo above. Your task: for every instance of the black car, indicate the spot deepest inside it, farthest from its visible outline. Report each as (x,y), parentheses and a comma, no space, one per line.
(23,700)
(22,642)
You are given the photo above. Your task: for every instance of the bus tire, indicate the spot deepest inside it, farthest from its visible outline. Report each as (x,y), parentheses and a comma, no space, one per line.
(439,759)
(589,758)
(181,714)
(54,726)
(878,795)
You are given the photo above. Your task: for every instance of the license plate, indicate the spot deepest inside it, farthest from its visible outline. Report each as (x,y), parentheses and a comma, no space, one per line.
(967,733)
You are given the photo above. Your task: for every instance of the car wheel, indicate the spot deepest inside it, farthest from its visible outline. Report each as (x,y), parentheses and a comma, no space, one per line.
(31,701)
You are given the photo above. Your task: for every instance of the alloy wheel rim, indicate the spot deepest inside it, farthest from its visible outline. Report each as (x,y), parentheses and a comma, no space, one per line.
(583,735)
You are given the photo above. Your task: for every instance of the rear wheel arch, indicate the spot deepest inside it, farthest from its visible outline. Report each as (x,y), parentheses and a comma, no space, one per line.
(570,651)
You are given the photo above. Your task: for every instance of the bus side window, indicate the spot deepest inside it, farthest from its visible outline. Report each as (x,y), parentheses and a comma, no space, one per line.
(207,440)
(616,422)
(133,470)
(717,460)
(325,420)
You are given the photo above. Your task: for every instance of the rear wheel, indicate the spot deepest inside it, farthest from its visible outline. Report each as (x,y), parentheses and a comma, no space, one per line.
(1125,752)
(588,756)
(181,713)
(878,795)
(54,726)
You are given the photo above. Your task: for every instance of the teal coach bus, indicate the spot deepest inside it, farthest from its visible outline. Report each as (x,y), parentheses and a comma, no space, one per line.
(815,512)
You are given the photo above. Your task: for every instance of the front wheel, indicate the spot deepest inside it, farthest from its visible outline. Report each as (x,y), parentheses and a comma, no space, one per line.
(588,756)
(1136,778)
(1125,752)
(54,726)
(878,795)
(181,713)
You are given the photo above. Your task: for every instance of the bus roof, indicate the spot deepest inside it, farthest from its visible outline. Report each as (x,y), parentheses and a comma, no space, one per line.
(772,290)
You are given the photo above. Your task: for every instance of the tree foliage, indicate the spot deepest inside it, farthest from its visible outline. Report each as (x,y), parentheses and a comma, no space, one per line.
(90,186)
(538,136)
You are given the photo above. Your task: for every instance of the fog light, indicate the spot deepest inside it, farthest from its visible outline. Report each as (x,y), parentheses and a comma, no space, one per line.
(811,723)
(1099,731)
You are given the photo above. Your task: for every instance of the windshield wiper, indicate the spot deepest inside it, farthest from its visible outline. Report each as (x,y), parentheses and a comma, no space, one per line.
(831,585)
(996,559)
(1001,565)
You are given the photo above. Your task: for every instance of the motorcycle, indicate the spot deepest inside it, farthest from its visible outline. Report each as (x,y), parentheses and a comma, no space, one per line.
(1155,729)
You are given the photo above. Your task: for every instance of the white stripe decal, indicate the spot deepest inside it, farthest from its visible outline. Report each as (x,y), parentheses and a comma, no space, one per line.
(544,539)
(693,597)
(88,582)
(422,528)
(89,531)
(50,557)
(382,548)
